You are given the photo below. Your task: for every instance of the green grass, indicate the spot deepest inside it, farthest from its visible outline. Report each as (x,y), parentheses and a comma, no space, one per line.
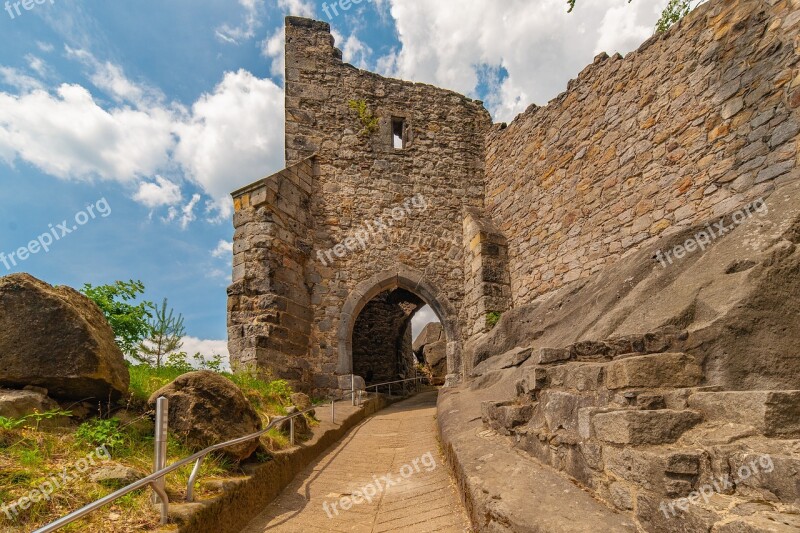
(28,456)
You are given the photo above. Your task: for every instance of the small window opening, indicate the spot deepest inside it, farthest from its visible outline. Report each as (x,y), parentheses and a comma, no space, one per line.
(399,133)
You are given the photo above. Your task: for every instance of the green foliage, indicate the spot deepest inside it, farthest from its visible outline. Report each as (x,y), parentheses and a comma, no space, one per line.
(492,318)
(145,380)
(128,321)
(368,121)
(36,417)
(675,11)
(101,432)
(214,364)
(165,333)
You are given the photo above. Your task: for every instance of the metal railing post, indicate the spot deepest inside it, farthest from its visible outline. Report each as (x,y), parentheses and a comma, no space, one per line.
(291,431)
(160,456)
(353,387)
(333,410)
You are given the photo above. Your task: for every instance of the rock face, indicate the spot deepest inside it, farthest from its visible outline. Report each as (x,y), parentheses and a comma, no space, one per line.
(20,403)
(205,408)
(56,338)
(431,347)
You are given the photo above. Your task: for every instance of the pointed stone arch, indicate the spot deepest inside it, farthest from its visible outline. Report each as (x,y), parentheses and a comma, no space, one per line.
(387,280)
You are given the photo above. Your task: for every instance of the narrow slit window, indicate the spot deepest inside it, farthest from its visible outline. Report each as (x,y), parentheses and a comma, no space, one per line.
(399,133)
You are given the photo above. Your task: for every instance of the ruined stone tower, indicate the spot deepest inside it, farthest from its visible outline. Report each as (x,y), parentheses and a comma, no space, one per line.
(368,215)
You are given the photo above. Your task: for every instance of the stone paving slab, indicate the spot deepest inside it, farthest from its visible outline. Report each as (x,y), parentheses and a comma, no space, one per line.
(418,494)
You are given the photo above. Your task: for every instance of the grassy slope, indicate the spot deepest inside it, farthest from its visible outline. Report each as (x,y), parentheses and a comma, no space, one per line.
(28,457)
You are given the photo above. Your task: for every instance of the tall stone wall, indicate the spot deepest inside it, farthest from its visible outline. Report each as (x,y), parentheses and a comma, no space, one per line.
(696,123)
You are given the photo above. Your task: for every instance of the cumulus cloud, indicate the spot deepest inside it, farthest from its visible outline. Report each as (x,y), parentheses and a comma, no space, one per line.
(230,137)
(235,135)
(538,44)
(69,136)
(159,193)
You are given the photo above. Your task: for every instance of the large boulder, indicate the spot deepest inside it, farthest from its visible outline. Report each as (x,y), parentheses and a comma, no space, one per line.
(58,339)
(206,408)
(431,347)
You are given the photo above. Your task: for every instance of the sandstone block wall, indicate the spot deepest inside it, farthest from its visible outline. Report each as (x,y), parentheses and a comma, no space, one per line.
(269,308)
(693,125)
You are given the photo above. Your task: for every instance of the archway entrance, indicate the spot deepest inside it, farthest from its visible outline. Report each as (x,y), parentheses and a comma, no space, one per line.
(375,326)
(382,340)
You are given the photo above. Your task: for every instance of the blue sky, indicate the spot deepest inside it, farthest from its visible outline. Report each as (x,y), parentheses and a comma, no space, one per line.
(163,108)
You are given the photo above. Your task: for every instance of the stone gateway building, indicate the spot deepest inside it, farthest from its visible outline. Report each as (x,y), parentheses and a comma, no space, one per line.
(398,194)
(617,273)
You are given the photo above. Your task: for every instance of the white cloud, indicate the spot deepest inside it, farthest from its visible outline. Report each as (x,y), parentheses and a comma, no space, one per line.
(36,64)
(298,8)
(208,348)
(354,51)
(539,44)
(69,136)
(162,192)
(185,215)
(224,249)
(45,47)
(247,29)
(273,49)
(20,81)
(235,136)
(111,79)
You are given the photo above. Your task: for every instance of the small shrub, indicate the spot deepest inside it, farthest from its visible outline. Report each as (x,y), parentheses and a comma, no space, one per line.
(369,122)
(492,318)
(99,432)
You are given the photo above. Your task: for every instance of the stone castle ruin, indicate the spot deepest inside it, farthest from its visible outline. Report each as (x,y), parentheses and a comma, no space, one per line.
(637,236)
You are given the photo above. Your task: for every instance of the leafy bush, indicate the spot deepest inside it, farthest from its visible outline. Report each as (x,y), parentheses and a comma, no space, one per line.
(101,432)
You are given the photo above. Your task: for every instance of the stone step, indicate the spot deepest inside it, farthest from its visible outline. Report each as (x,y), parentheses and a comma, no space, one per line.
(635,427)
(663,370)
(771,413)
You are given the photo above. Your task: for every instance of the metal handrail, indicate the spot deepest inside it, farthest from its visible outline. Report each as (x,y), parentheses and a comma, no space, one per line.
(153,478)
(197,458)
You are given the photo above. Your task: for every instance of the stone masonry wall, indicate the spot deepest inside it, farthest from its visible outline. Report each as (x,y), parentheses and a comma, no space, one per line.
(269,307)
(693,125)
(363,177)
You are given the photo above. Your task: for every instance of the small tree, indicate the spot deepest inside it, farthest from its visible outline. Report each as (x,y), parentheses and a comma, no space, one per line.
(129,322)
(166,334)
(675,11)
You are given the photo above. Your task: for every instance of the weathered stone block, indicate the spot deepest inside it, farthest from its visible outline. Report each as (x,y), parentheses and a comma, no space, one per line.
(654,371)
(773,413)
(545,356)
(643,427)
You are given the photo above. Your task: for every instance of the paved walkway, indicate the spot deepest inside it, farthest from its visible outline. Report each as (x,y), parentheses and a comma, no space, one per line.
(391,464)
